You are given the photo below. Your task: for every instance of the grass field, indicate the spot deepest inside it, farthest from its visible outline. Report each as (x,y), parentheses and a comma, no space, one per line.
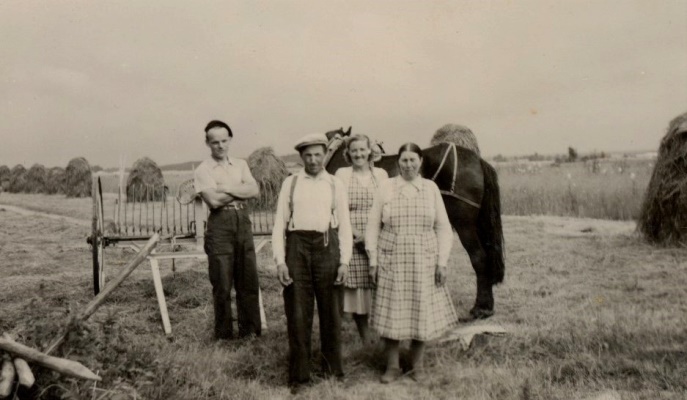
(589,307)
(612,189)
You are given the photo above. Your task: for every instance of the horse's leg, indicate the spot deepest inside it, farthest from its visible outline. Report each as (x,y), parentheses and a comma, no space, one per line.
(463,218)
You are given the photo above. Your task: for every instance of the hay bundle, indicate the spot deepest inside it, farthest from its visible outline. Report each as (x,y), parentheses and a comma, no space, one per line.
(663,219)
(269,171)
(458,134)
(77,178)
(145,182)
(55,184)
(4,177)
(17,181)
(36,179)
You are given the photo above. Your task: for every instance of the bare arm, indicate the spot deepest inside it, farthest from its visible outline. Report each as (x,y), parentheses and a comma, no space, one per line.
(221,195)
(248,187)
(244,190)
(214,198)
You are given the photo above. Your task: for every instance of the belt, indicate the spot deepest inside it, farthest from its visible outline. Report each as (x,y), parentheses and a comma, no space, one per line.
(230,206)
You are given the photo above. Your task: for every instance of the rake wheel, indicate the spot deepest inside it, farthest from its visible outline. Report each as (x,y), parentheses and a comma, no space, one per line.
(97,238)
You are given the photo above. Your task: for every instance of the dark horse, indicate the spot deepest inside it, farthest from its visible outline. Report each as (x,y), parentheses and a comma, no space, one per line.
(469,187)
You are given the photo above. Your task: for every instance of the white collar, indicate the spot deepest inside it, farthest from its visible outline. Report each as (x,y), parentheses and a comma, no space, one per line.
(216,163)
(321,175)
(416,182)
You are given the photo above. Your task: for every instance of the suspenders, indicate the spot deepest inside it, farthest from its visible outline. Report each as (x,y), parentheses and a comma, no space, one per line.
(333,223)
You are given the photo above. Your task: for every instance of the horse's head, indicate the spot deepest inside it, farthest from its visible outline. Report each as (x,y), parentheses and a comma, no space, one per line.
(334,159)
(331,134)
(335,145)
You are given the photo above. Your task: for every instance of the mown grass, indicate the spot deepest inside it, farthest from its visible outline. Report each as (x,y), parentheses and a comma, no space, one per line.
(586,311)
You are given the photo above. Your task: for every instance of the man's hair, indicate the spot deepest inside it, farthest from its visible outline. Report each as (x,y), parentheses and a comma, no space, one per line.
(215,123)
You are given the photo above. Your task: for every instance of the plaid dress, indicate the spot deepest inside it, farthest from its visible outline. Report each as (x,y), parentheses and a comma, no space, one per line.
(359,203)
(408,304)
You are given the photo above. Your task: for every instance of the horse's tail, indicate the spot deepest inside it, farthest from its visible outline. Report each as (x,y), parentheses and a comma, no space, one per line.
(489,227)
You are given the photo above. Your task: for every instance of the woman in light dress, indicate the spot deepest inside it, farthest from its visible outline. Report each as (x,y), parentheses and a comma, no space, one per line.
(408,239)
(362,180)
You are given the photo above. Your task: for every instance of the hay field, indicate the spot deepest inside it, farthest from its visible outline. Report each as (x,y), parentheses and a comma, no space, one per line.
(173,179)
(611,189)
(589,308)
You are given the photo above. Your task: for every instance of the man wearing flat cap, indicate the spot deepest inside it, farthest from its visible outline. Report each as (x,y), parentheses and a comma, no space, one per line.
(224,183)
(312,243)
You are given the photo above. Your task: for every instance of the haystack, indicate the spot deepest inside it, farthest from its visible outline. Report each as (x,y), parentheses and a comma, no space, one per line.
(459,134)
(77,178)
(269,171)
(36,179)
(663,219)
(145,182)
(55,184)
(4,177)
(17,182)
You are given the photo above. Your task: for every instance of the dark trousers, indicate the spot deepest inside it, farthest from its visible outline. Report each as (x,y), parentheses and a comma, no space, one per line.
(231,258)
(312,267)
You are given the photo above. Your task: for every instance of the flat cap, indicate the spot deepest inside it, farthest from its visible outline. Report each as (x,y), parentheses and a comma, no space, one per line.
(311,139)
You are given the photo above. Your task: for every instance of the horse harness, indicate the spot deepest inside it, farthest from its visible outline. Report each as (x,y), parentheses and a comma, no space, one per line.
(336,143)
(452,149)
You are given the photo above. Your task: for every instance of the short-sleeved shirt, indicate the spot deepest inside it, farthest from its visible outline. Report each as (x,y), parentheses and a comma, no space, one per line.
(211,174)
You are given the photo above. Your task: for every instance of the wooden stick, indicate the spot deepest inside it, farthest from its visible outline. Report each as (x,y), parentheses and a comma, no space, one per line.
(66,367)
(109,288)
(119,195)
(24,374)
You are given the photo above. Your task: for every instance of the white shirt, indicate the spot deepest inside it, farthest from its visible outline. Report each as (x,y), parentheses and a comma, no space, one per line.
(211,174)
(312,211)
(385,193)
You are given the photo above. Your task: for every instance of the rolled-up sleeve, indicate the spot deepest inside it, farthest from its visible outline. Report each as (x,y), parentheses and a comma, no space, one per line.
(279,228)
(246,176)
(343,215)
(442,227)
(202,179)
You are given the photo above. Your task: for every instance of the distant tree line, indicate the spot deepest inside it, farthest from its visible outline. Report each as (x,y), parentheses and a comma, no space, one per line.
(572,156)
(72,181)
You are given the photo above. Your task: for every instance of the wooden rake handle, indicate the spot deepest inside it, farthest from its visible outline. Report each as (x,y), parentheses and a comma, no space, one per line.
(109,288)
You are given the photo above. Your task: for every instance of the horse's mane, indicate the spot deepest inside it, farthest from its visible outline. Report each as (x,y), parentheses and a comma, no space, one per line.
(459,135)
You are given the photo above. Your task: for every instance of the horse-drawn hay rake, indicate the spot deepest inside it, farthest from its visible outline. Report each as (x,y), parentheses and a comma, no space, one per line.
(131,217)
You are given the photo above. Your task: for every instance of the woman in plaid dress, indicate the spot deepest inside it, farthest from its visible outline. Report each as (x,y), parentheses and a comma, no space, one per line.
(409,238)
(361,180)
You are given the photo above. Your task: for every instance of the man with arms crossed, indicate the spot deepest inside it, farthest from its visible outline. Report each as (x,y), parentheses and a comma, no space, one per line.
(224,183)
(312,243)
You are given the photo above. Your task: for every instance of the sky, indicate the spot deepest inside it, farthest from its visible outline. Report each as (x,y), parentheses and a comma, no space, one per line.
(119,80)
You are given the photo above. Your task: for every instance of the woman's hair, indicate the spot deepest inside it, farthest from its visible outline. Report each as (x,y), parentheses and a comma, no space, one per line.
(410,146)
(357,138)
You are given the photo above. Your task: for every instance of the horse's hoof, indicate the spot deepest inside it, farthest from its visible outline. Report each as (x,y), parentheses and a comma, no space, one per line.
(481,313)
